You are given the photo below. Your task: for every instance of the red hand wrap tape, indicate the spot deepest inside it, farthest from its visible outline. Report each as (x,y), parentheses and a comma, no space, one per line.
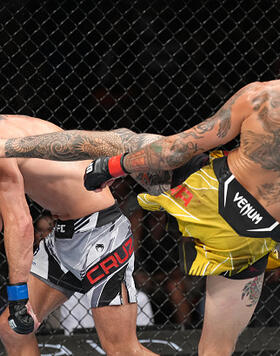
(115,167)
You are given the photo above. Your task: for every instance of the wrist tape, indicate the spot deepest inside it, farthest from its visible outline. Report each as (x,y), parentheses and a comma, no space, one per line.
(116,167)
(17,291)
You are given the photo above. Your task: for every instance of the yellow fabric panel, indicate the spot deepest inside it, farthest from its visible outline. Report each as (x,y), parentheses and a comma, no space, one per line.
(194,204)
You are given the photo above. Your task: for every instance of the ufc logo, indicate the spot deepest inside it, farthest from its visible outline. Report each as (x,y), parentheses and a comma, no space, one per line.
(60,228)
(111,263)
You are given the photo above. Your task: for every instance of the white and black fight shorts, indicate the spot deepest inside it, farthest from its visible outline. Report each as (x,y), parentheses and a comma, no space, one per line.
(92,255)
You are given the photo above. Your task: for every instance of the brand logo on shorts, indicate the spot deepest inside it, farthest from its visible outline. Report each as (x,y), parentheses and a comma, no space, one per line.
(60,227)
(247,209)
(99,247)
(111,263)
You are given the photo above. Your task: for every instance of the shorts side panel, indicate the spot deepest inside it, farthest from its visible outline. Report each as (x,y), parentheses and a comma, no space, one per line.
(106,251)
(219,248)
(47,268)
(104,277)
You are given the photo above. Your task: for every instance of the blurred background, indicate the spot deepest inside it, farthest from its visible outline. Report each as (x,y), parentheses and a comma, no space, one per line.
(151,66)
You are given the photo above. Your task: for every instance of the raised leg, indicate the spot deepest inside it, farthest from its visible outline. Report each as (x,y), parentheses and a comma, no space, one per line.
(229,307)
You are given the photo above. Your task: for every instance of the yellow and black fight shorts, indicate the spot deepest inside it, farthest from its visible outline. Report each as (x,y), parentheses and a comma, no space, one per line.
(225,230)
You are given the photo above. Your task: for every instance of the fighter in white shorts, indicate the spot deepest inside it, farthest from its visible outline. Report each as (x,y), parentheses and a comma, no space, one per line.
(90,250)
(91,255)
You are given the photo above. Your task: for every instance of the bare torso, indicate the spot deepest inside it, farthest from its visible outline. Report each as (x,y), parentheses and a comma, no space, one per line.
(256,163)
(56,186)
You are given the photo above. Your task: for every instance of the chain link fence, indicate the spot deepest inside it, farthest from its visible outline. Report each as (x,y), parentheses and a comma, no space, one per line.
(151,66)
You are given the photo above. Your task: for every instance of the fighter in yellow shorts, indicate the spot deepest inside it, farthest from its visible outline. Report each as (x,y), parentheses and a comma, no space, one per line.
(224,241)
(230,208)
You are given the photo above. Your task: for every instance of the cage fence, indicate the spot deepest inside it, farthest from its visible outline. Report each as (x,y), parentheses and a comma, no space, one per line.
(150,66)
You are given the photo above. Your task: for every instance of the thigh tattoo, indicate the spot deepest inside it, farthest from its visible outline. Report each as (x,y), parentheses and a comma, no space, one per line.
(252,291)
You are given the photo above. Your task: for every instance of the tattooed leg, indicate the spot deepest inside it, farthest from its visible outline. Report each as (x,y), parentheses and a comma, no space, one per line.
(251,291)
(229,307)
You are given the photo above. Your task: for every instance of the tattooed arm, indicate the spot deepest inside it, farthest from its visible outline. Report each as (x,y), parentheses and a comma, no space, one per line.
(81,145)
(164,154)
(64,145)
(155,182)
(75,145)
(173,151)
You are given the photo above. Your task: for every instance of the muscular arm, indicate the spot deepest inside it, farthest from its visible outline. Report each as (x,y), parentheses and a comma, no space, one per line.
(155,182)
(80,145)
(75,145)
(69,145)
(173,151)
(166,153)
(18,228)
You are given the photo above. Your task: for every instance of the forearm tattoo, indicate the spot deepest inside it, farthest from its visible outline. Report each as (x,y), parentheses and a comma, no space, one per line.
(77,145)
(252,291)
(64,146)
(155,182)
(174,151)
(132,141)
(81,145)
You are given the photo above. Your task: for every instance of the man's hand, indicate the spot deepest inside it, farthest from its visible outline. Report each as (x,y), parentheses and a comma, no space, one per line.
(103,171)
(19,320)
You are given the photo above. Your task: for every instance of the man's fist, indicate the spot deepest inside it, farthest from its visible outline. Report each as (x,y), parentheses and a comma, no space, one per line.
(103,170)
(19,320)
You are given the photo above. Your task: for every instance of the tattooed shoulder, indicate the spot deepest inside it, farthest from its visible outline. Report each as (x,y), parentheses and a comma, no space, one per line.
(266,104)
(270,192)
(262,148)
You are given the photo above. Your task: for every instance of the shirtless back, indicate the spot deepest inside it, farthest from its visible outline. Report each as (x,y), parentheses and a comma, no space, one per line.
(89,228)
(56,186)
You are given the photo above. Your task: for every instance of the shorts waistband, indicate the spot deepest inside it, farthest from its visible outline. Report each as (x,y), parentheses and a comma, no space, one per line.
(240,209)
(66,228)
(108,215)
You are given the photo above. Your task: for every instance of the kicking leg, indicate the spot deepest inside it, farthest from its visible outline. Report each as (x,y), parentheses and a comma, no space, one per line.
(229,306)
(43,299)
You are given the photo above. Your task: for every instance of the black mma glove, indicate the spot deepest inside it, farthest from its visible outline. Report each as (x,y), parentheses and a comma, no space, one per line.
(19,320)
(102,170)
